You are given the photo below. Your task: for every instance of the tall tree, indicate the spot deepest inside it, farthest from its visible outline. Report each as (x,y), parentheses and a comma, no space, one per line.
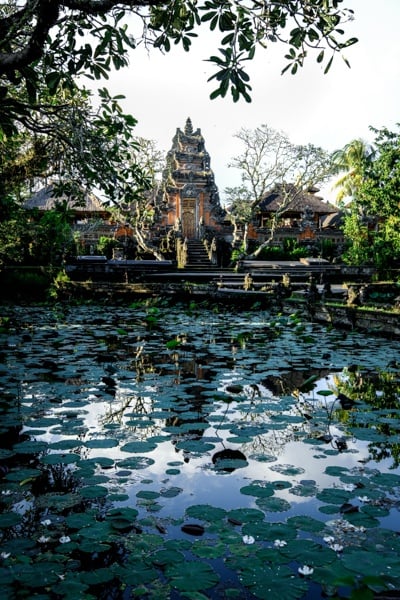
(268,160)
(372,221)
(350,162)
(142,210)
(238,206)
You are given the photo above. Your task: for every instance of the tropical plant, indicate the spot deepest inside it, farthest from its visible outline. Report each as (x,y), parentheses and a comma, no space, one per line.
(372,221)
(106,246)
(350,163)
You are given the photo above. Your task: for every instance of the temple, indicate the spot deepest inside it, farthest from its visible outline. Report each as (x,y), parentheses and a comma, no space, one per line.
(188,191)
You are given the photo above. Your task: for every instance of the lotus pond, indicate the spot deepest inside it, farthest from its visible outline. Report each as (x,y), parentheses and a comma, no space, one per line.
(178,452)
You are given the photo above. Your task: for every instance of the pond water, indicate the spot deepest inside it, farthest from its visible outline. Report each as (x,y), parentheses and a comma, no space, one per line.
(153,451)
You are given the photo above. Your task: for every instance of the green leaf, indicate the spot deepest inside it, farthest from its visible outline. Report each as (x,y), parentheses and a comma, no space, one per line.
(191,576)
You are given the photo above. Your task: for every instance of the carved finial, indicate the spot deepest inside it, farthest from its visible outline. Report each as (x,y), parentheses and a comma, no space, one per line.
(188,127)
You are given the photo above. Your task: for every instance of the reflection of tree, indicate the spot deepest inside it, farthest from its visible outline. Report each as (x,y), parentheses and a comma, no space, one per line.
(177,366)
(377,392)
(289,381)
(271,429)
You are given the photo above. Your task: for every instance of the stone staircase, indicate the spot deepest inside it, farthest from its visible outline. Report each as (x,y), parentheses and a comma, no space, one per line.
(198,258)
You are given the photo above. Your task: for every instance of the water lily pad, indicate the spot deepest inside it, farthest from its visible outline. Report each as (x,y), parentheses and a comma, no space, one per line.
(263,458)
(308,552)
(71,588)
(193,529)
(305,490)
(191,576)
(147,494)
(30,447)
(273,583)
(194,446)
(10,519)
(165,557)
(58,458)
(208,549)
(135,574)
(259,489)
(245,515)
(334,495)
(20,475)
(38,575)
(97,577)
(102,443)
(273,504)
(137,447)
(171,492)
(269,531)
(65,444)
(287,469)
(367,563)
(58,501)
(136,462)
(306,523)
(94,491)
(206,512)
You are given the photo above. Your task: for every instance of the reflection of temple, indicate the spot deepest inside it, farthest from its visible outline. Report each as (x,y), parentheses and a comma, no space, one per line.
(189,193)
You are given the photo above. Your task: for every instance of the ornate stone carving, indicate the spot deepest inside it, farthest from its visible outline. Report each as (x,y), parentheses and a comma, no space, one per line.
(189,191)
(190,186)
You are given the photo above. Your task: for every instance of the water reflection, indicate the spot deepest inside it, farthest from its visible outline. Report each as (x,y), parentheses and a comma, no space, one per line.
(372,402)
(179,410)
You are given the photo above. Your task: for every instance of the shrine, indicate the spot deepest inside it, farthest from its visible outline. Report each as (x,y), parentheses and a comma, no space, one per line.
(188,192)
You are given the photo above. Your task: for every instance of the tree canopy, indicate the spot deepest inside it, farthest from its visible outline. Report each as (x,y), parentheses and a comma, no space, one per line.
(372,220)
(349,162)
(55,41)
(47,46)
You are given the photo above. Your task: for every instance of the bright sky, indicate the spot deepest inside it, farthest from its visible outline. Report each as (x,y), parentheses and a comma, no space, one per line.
(326,110)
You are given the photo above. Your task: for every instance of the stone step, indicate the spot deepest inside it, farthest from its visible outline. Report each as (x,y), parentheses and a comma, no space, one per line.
(197,257)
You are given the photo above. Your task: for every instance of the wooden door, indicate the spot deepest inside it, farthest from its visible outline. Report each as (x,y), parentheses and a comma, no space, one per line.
(189,219)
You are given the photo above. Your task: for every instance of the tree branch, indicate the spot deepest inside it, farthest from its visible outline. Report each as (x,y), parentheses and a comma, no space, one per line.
(46,13)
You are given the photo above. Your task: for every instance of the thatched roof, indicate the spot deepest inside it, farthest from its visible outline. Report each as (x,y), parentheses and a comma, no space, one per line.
(295,200)
(45,200)
(333,220)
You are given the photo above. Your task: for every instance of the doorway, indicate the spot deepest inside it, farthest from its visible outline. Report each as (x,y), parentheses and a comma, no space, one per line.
(189,218)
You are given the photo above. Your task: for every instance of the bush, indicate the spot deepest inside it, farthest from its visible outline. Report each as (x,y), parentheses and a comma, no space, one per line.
(106,246)
(28,282)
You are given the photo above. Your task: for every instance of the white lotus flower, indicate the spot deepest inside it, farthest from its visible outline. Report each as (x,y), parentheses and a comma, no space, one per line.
(337,547)
(45,523)
(349,487)
(329,539)
(305,570)
(64,539)
(43,539)
(5,555)
(248,539)
(280,543)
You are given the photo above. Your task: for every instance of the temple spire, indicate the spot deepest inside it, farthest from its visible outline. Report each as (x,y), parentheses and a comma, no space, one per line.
(188,127)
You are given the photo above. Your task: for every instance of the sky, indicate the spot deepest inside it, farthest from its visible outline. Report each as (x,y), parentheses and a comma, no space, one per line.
(162,91)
